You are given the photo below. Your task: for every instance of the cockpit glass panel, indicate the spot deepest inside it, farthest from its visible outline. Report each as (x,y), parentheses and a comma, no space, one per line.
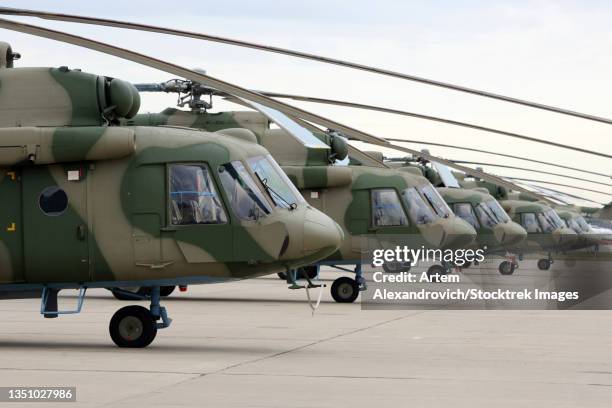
(545,222)
(418,210)
(387,209)
(244,196)
(435,200)
(554,218)
(584,226)
(530,223)
(497,211)
(193,196)
(466,212)
(486,215)
(280,189)
(571,223)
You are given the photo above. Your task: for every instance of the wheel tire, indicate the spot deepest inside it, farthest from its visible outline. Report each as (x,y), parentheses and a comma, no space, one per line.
(435,271)
(132,327)
(345,290)
(543,264)
(506,268)
(282,275)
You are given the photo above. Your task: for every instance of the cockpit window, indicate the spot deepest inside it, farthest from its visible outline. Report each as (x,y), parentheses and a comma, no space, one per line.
(545,222)
(490,213)
(387,209)
(530,223)
(583,224)
(435,200)
(571,223)
(280,189)
(554,218)
(465,211)
(244,196)
(193,196)
(498,211)
(419,211)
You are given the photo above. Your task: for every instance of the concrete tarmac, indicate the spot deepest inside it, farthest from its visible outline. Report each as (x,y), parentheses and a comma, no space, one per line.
(256,344)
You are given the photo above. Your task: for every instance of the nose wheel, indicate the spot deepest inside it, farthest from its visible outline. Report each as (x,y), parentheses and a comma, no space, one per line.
(544,264)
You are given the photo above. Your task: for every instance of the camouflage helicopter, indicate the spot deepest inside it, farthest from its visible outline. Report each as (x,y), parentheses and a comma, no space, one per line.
(359,192)
(496,231)
(89,203)
(546,231)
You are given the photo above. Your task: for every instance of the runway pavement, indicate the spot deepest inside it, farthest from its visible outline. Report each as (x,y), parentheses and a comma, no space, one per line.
(256,344)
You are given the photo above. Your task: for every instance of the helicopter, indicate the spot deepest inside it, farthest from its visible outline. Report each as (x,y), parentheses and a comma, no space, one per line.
(496,231)
(360,193)
(546,230)
(92,204)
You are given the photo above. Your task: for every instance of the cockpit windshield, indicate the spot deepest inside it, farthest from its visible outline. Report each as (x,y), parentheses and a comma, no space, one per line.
(546,222)
(554,219)
(466,212)
(387,209)
(243,194)
(280,189)
(435,200)
(418,210)
(571,223)
(583,224)
(490,213)
(498,211)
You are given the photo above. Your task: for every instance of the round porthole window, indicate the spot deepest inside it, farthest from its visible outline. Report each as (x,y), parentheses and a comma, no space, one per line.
(53,201)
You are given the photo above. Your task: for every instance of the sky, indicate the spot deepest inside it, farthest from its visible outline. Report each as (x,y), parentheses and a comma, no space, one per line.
(553,52)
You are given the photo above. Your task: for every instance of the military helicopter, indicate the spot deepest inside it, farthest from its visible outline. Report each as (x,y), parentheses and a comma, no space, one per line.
(496,231)
(90,204)
(363,196)
(546,231)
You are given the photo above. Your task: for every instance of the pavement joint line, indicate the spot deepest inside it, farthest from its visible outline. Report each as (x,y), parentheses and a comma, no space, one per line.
(243,363)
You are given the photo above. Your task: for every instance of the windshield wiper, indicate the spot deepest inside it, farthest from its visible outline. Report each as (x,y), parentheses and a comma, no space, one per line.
(271,192)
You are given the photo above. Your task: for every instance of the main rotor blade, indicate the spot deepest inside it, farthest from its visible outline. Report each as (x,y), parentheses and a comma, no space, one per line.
(243,93)
(545,189)
(531,170)
(558,184)
(293,53)
(497,154)
(431,118)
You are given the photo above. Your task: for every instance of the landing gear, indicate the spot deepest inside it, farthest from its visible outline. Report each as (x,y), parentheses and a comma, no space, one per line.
(132,327)
(135,326)
(345,290)
(507,268)
(544,264)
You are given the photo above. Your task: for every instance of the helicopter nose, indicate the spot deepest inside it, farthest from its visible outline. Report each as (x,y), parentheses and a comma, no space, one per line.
(315,237)
(509,234)
(321,233)
(457,233)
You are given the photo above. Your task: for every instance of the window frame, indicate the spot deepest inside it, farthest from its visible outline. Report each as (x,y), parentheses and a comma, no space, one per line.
(222,199)
(472,209)
(401,205)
